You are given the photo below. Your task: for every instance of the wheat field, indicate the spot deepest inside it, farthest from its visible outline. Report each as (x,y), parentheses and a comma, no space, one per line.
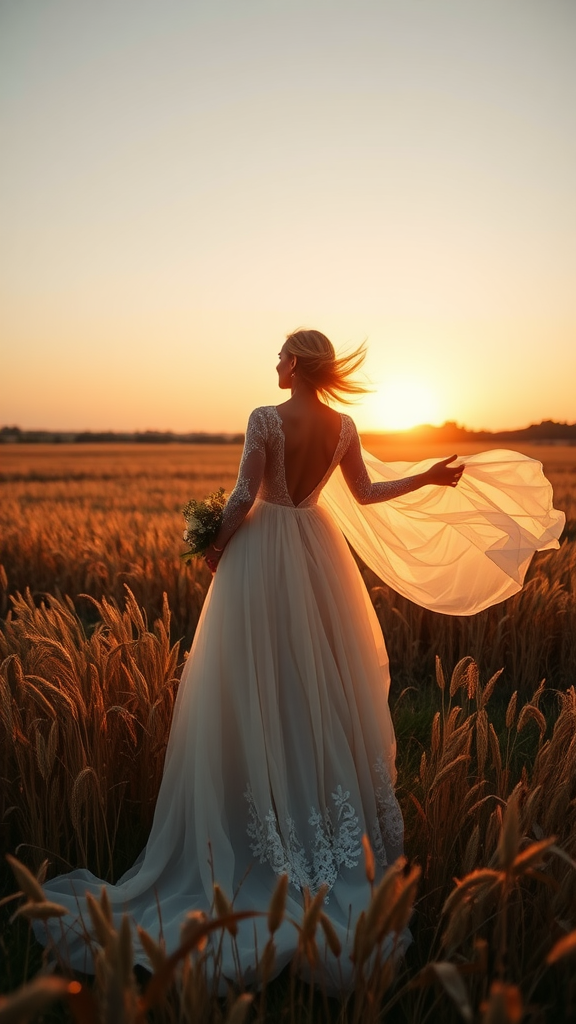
(97,615)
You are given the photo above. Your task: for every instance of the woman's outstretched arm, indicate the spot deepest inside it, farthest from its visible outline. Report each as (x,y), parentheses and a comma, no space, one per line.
(366,492)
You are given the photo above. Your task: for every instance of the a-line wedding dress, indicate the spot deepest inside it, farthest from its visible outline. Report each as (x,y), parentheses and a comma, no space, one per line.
(281,752)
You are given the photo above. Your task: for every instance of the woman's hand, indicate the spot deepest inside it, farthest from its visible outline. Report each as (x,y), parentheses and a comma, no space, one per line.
(212,556)
(444,475)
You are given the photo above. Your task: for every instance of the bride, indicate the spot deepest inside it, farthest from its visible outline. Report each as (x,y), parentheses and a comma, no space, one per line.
(281,752)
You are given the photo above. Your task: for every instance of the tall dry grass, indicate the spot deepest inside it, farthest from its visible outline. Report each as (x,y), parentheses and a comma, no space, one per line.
(492,840)
(487,763)
(91,519)
(83,728)
(76,520)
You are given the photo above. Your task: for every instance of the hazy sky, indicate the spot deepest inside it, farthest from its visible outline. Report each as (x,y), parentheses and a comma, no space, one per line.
(185,181)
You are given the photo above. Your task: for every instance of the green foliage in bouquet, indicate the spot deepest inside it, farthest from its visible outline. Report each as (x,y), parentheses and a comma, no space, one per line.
(203,520)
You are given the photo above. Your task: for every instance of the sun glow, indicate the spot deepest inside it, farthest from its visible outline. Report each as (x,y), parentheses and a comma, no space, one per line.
(403,402)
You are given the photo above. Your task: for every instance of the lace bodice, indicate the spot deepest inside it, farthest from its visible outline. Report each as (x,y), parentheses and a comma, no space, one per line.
(262,471)
(273,487)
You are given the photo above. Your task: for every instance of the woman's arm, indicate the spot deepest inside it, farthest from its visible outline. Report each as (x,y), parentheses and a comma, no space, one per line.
(247,485)
(366,492)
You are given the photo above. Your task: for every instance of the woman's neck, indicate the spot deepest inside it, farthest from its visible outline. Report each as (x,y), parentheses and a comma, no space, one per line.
(304,394)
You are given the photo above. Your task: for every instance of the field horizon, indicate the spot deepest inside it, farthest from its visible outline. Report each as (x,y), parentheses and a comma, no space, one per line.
(545,431)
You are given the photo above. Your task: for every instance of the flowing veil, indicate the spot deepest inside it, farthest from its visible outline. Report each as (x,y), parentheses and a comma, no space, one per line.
(452,550)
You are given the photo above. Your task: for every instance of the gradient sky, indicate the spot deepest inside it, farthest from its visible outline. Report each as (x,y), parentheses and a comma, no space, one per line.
(185,181)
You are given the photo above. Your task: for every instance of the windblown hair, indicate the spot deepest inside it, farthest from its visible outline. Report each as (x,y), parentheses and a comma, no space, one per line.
(318,365)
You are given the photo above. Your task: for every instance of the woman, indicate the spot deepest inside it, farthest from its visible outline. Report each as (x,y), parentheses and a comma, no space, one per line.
(312,432)
(281,752)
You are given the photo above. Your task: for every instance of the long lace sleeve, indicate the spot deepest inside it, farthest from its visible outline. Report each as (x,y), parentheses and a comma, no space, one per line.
(250,475)
(356,476)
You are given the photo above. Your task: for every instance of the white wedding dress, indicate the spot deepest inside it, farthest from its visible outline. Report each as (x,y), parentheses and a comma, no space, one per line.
(281,752)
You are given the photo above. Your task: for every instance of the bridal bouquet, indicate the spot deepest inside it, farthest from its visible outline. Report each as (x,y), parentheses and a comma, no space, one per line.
(203,520)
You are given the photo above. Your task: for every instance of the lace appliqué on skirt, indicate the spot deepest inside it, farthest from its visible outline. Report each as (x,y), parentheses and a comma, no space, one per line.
(335,843)
(388,826)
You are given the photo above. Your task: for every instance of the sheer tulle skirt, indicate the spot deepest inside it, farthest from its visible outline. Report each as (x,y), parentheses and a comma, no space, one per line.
(281,752)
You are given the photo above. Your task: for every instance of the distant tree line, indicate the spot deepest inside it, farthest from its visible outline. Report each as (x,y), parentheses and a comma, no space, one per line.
(14,435)
(546,432)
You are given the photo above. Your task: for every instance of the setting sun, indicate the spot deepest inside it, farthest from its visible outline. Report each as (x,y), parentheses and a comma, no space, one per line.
(403,402)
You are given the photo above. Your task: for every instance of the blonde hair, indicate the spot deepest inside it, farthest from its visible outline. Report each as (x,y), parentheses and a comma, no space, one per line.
(319,366)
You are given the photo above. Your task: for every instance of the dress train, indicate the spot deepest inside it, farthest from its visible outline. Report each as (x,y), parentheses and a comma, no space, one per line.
(281,753)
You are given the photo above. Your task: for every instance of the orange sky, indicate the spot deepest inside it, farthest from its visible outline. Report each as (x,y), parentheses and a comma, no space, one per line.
(184,183)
